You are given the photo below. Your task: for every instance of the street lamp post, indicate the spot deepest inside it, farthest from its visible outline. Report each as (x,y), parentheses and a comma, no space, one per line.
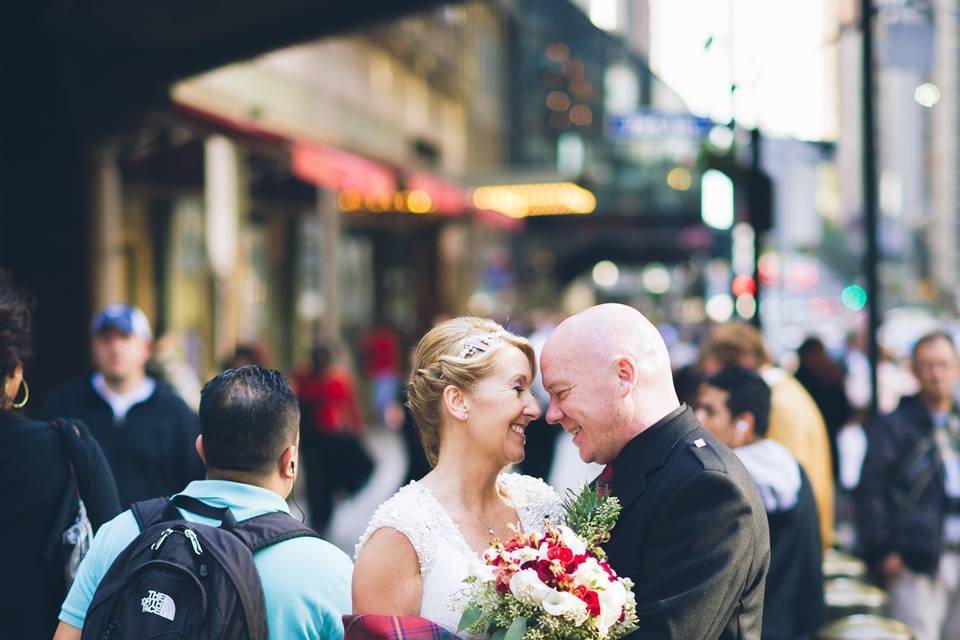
(871,256)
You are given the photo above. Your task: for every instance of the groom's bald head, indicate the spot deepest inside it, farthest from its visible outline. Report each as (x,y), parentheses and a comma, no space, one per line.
(611,330)
(608,373)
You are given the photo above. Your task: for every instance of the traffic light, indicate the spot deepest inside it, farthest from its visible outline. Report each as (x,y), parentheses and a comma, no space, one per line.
(759,188)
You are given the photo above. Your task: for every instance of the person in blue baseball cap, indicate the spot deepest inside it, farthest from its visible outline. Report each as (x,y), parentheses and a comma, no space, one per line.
(145,429)
(124,318)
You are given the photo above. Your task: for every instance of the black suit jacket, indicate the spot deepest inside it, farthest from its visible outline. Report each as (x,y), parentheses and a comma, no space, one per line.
(692,535)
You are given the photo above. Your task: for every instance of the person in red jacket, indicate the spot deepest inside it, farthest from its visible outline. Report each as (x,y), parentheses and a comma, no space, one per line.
(381,365)
(331,426)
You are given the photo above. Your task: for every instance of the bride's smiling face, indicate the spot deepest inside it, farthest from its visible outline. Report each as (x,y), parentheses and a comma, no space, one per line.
(501,406)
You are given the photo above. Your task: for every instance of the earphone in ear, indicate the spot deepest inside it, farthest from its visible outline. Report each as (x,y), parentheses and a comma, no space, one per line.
(741,428)
(293,467)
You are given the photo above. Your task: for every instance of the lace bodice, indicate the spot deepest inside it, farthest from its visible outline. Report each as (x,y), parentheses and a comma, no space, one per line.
(443,552)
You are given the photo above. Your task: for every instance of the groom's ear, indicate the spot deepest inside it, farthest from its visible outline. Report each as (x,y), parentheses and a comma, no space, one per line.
(626,370)
(455,401)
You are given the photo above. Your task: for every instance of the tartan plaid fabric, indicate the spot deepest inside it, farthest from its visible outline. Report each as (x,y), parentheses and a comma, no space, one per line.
(376,627)
(606,480)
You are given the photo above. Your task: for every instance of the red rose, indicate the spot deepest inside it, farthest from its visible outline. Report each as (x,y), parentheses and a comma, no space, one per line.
(561,553)
(543,571)
(593,603)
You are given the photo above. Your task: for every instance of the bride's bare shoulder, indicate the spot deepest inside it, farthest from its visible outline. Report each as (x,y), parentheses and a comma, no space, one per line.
(386,576)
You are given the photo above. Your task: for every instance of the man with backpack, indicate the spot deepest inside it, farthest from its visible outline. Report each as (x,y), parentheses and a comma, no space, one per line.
(224,558)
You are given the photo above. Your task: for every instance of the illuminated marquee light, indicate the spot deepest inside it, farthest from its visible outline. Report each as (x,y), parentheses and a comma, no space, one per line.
(417,201)
(541,199)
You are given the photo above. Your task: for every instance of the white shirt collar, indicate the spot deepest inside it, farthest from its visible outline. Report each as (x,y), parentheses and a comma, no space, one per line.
(121,403)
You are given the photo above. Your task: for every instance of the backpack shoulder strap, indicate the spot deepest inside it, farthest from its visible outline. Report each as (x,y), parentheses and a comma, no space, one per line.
(268,529)
(191,504)
(150,512)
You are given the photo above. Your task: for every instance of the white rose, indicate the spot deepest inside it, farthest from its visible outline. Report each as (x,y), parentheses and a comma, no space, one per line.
(590,574)
(572,541)
(527,587)
(480,570)
(525,554)
(567,605)
(612,598)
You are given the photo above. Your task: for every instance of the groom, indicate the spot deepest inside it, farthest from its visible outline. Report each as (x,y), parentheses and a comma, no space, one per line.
(693,534)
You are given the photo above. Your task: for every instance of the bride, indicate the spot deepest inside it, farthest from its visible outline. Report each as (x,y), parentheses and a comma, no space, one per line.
(470,396)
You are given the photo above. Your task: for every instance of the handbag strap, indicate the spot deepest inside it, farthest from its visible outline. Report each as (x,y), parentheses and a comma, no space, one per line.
(68,505)
(62,424)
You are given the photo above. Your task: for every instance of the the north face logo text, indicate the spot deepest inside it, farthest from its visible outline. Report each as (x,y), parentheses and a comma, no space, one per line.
(159,604)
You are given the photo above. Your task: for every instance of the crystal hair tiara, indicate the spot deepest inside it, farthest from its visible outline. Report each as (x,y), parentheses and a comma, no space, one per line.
(480,343)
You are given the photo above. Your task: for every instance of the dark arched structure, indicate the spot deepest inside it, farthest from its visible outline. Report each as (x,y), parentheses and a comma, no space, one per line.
(75,73)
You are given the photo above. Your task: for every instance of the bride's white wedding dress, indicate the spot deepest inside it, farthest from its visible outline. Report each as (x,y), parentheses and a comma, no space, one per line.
(442,550)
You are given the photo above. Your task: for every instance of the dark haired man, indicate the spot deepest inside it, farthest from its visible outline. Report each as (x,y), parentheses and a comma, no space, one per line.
(734,405)
(908,501)
(249,440)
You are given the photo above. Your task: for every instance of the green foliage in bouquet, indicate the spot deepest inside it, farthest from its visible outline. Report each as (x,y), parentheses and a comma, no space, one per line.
(555,585)
(592,514)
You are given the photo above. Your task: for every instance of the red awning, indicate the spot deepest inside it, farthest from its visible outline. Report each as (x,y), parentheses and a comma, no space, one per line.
(343,171)
(340,170)
(446,197)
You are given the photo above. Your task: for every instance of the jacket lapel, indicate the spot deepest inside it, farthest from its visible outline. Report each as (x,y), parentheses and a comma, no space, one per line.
(648,452)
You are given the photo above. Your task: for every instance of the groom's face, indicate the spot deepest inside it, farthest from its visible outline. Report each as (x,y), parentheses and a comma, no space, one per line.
(583,401)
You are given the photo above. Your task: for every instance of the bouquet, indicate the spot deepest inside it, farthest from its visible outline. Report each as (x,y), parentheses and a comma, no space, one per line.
(555,585)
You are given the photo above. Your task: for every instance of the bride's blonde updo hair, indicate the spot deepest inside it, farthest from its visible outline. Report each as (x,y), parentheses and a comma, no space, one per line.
(458,352)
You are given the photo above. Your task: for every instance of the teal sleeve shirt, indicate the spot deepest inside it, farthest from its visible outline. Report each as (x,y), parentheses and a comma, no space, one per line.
(306,581)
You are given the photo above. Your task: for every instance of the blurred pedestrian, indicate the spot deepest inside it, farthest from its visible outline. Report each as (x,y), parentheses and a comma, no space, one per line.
(245,353)
(893,380)
(795,420)
(170,366)
(398,417)
(734,405)
(331,426)
(823,378)
(908,502)
(147,432)
(381,364)
(687,380)
(46,470)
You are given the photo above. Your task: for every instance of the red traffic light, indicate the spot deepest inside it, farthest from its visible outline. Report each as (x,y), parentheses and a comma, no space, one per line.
(743,286)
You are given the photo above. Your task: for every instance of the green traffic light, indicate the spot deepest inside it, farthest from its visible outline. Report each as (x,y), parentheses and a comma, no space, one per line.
(854,297)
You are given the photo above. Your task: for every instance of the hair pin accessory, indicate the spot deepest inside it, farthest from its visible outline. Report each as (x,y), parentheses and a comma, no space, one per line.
(480,343)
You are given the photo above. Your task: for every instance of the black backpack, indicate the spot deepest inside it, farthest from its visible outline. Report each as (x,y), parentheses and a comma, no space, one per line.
(181,579)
